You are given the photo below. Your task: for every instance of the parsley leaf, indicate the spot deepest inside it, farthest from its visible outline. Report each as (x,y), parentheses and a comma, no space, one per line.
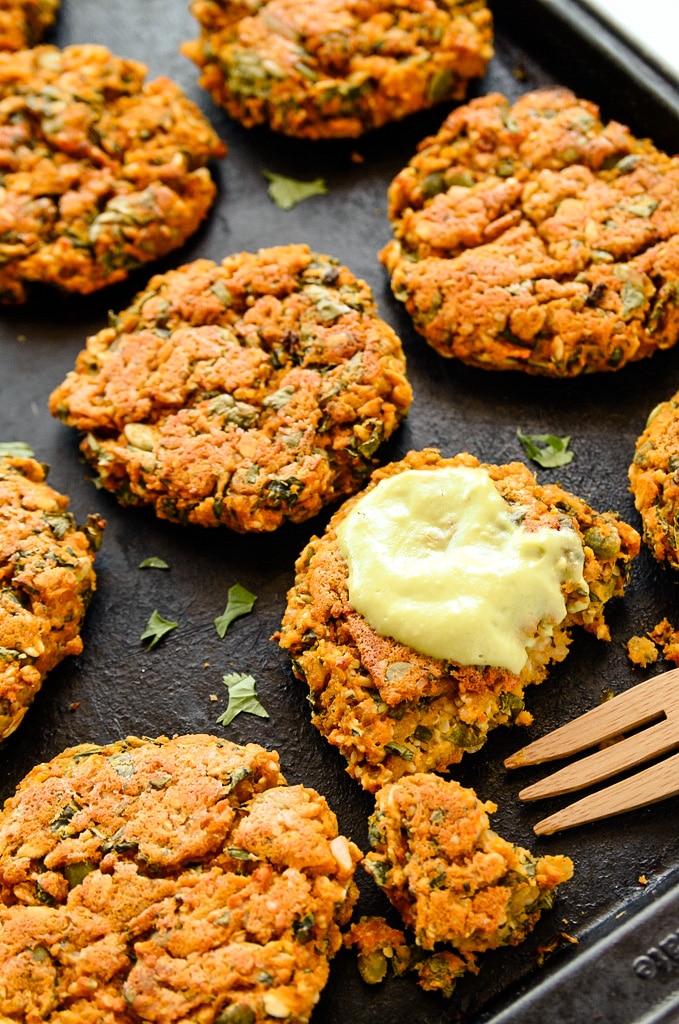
(554,450)
(153,563)
(156,628)
(287,192)
(16,450)
(242,697)
(240,602)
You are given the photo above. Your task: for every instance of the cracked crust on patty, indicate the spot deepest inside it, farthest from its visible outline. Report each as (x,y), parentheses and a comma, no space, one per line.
(101,171)
(245,393)
(168,880)
(393,711)
(23,23)
(46,582)
(535,237)
(337,68)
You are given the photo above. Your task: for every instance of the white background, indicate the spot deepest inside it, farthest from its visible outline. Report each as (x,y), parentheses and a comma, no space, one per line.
(652,24)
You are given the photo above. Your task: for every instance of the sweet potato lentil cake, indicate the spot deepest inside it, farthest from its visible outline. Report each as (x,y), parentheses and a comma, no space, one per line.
(24,22)
(455,881)
(534,237)
(168,880)
(337,68)
(46,581)
(393,711)
(244,393)
(654,481)
(101,171)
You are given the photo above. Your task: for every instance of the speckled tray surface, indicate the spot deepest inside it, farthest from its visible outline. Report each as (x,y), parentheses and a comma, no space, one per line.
(117,687)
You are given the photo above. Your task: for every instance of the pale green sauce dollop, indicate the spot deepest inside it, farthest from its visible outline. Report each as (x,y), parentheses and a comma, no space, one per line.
(439,561)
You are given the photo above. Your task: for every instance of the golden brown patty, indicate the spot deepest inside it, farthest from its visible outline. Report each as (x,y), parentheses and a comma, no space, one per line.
(654,482)
(101,172)
(337,68)
(393,711)
(168,880)
(244,393)
(46,581)
(533,237)
(25,22)
(451,877)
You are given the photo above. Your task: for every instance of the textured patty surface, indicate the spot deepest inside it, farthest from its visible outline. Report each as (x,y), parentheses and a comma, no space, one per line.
(654,481)
(337,68)
(535,237)
(244,393)
(168,880)
(46,581)
(101,171)
(24,22)
(452,878)
(393,711)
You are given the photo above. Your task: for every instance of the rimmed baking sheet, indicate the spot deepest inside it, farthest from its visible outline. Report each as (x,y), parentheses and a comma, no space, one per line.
(117,687)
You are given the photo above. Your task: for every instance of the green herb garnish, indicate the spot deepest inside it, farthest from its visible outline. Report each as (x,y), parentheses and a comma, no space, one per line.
(240,602)
(156,628)
(153,563)
(546,449)
(242,697)
(287,192)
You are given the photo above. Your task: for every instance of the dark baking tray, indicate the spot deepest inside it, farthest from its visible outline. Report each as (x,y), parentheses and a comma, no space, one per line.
(117,687)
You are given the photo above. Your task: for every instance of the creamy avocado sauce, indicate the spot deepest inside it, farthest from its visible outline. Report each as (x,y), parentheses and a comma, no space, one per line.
(439,561)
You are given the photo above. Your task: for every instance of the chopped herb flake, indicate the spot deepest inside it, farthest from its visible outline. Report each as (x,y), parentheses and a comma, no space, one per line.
(399,750)
(242,697)
(156,628)
(287,192)
(122,764)
(153,563)
(238,854)
(75,873)
(240,602)
(59,523)
(547,450)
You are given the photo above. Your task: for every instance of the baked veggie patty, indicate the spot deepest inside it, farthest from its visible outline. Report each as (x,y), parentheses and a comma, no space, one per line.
(654,482)
(46,581)
(245,393)
(393,711)
(456,883)
(337,68)
(168,880)
(101,171)
(535,237)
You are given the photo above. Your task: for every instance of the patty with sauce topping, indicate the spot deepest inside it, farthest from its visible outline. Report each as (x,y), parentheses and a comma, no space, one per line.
(337,68)
(168,880)
(23,23)
(535,237)
(46,581)
(102,172)
(245,393)
(392,710)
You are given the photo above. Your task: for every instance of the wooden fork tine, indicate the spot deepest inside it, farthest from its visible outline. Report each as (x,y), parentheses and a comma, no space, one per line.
(635,707)
(603,764)
(646,787)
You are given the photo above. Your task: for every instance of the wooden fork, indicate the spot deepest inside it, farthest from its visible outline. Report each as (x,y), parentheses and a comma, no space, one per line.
(654,701)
